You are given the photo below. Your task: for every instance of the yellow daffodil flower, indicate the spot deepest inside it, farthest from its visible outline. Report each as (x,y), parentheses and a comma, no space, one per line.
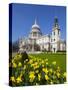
(31,76)
(18,79)
(46,77)
(12,79)
(51,82)
(45,70)
(58,74)
(19,64)
(46,63)
(39,77)
(37,71)
(31,61)
(64,74)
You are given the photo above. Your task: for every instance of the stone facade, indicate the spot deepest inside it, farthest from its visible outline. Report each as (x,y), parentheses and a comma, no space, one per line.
(36,41)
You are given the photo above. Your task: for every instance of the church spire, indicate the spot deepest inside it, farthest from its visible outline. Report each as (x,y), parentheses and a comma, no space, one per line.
(35,25)
(56,22)
(35,21)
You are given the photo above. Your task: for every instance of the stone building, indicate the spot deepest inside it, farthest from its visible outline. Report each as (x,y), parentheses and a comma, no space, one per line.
(36,41)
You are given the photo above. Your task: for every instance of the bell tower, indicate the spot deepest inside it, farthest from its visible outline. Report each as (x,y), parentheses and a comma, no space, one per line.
(55,36)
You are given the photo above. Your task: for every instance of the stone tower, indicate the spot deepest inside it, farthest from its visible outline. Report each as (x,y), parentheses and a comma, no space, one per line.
(55,37)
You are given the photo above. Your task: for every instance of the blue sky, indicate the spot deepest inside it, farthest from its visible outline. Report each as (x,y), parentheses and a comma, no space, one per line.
(23,17)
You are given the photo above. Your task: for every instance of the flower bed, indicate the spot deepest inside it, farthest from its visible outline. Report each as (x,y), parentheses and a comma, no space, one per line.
(35,71)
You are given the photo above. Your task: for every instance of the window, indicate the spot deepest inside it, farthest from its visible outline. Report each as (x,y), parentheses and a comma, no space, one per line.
(51,40)
(54,39)
(54,33)
(34,34)
(58,32)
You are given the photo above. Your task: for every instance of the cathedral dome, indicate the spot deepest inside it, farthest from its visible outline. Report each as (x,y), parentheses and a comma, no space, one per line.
(35,26)
(35,31)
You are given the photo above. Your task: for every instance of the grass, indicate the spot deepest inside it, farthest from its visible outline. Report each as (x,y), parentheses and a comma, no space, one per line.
(59,58)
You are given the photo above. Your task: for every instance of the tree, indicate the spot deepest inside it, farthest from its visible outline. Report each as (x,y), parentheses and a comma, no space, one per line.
(15,46)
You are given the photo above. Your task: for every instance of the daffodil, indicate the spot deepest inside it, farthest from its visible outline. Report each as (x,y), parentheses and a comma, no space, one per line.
(19,64)
(51,82)
(46,77)
(36,67)
(39,77)
(45,70)
(35,64)
(12,79)
(58,69)
(46,63)
(31,61)
(19,79)
(58,74)
(26,59)
(43,65)
(37,71)
(31,76)
(64,74)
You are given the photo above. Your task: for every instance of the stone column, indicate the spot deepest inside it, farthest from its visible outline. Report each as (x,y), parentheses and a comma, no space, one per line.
(32,45)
